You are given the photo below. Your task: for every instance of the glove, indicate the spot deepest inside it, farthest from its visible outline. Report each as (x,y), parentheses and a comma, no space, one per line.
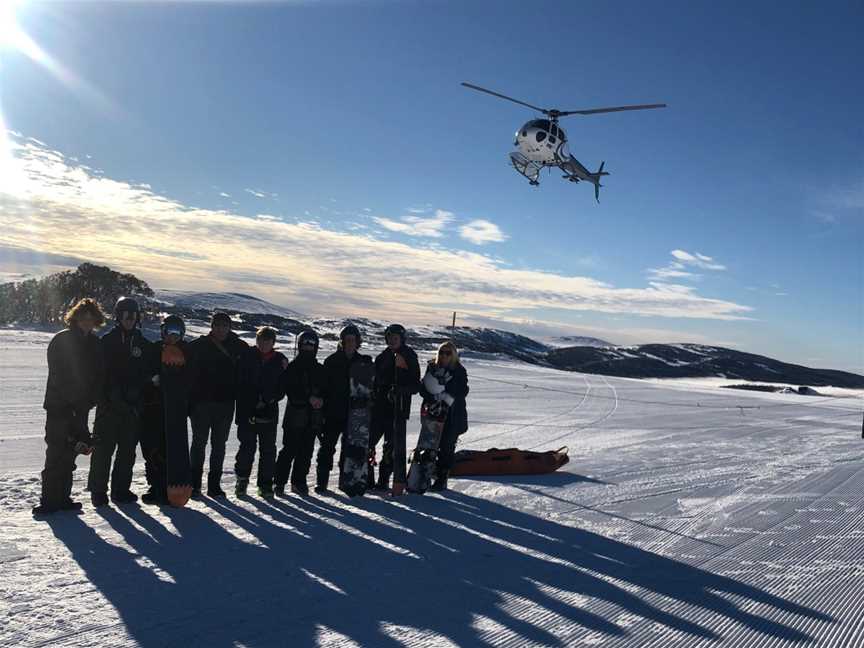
(83,448)
(447,398)
(172,356)
(155,380)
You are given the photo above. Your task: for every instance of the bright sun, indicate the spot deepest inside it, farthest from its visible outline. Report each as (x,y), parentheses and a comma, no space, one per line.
(10,32)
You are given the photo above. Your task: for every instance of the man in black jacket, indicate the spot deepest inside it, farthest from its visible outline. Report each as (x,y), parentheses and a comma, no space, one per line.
(303,383)
(118,413)
(258,397)
(75,374)
(217,356)
(338,369)
(397,378)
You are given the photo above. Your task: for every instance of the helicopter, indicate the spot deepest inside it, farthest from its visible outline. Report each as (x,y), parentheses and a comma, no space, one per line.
(543,143)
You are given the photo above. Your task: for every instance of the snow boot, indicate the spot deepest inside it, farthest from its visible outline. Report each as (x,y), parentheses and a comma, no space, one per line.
(279,490)
(266,492)
(300,489)
(398,489)
(214,485)
(440,483)
(322,490)
(99,499)
(42,510)
(241,486)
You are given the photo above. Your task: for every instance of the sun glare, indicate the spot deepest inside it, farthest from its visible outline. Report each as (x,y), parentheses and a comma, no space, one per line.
(10,32)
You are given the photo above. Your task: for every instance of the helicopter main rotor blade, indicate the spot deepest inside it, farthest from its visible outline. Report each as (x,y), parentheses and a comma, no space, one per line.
(594,111)
(496,94)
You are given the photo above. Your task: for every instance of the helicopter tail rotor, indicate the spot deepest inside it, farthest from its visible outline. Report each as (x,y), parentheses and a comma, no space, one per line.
(596,178)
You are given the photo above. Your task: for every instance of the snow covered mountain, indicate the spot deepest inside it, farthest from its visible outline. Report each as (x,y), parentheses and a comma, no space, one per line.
(578,340)
(588,355)
(694,360)
(229,302)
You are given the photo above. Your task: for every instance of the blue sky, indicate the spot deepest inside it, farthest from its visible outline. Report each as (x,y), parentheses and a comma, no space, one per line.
(734,217)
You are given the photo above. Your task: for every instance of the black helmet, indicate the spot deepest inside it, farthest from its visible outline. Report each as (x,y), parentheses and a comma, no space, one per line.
(351,330)
(398,329)
(173,324)
(127,305)
(307,337)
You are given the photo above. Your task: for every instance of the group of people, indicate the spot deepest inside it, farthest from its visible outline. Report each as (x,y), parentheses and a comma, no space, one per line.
(145,392)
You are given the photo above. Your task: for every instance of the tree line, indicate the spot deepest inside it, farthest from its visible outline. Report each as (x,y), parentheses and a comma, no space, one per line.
(46,300)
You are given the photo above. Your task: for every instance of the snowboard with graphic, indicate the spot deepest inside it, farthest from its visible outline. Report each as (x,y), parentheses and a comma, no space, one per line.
(354,464)
(174,385)
(433,414)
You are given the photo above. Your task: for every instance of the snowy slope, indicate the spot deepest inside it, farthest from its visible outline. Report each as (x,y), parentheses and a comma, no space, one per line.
(688,516)
(229,302)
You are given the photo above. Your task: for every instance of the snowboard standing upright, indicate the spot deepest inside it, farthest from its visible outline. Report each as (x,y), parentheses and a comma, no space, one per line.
(354,459)
(174,386)
(433,415)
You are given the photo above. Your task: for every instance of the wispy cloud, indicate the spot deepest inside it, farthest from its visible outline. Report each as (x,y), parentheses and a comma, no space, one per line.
(61,208)
(682,266)
(698,260)
(426,226)
(257,194)
(482,231)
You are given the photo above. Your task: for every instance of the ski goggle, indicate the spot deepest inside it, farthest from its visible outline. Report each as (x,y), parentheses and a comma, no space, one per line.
(174,330)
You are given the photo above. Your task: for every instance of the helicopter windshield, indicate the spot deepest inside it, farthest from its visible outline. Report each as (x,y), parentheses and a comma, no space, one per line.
(543,124)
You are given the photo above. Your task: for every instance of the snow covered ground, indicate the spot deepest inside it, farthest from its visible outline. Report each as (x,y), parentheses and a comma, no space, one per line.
(688,516)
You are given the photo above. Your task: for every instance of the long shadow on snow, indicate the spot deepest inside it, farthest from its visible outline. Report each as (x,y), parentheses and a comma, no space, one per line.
(293,568)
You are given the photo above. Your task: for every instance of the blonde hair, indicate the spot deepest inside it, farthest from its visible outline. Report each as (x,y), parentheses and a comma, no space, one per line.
(454,353)
(84,307)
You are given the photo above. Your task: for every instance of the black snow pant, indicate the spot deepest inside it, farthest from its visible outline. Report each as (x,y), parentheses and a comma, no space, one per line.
(332,430)
(447,448)
(299,428)
(210,419)
(153,449)
(117,429)
(250,436)
(60,431)
(393,457)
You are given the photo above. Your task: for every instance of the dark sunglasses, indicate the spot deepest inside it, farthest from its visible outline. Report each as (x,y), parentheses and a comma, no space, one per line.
(445,352)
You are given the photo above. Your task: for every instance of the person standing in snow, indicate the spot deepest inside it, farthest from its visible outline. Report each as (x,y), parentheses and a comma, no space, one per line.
(118,413)
(75,374)
(218,356)
(303,384)
(454,392)
(257,417)
(397,378)
(338,399)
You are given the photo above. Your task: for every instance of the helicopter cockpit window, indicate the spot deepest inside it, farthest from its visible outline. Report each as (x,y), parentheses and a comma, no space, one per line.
(542,124)
(541,135)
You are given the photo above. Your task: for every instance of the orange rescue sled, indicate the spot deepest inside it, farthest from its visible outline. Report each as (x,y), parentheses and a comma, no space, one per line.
(511,461)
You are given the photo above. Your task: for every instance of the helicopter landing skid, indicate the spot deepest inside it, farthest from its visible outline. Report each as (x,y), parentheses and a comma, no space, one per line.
(528,168)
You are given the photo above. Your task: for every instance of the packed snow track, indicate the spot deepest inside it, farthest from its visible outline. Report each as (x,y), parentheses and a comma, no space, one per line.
(687,516)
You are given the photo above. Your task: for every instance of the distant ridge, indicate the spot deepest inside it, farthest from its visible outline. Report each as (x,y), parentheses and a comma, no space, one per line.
(593,356)
(694,360)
